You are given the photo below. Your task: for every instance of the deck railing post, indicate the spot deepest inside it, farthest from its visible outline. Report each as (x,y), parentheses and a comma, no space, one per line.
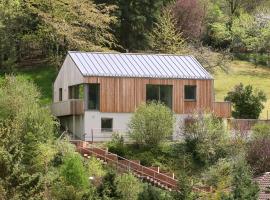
(92,135)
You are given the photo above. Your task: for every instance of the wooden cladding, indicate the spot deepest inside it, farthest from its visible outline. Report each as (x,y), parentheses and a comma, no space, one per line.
(222,109)
(69,107)
(119,94)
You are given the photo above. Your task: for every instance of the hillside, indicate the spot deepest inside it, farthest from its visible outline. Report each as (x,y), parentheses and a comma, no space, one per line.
(245,72)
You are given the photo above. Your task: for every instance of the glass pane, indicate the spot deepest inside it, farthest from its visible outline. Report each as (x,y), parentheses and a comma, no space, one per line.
(190,92)
(166,95)
(106,125)
(152,92)
(93,98)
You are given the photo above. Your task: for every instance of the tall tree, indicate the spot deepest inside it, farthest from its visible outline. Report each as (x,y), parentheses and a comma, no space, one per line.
(164,38)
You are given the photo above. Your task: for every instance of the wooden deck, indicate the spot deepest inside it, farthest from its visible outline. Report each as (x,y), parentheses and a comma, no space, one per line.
(69,107)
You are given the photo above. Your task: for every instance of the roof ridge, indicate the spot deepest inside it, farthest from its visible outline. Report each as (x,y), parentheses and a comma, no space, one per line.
(132,53)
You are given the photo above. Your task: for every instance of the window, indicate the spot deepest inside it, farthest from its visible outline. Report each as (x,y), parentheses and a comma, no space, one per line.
(161,93)
(75,92)
(60,94)
(190,92)
(93,97)
(106,124)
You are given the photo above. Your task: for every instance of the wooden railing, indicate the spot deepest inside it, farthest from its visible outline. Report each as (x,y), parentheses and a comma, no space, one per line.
(69,107)
(222,109)
(245,124)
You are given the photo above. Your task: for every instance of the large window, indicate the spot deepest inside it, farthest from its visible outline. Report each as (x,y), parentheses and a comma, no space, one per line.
(161,93)
(93,97)
(190,92)
(76,92)
(106,124)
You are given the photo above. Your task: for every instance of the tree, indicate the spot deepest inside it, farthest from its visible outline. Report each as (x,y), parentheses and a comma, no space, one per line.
(206,139)
(73,171)
(247,104)
(24,124)
(189,15)
(164,38)
(136,21)
(258,151)
(151,123)
(128,187)
(243,187)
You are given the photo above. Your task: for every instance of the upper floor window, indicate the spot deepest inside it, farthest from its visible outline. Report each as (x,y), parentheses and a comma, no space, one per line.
(76,92)
(161,93)
(190,92)
(93,96)
(60,94)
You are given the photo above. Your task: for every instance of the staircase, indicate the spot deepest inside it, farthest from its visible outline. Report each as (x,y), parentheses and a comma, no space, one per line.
(152,175)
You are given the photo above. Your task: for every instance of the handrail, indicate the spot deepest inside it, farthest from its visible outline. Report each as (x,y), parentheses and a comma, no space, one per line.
(121,164)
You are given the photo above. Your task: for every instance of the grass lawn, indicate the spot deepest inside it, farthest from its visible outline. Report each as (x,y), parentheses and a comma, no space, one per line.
(245,72)
(43,76)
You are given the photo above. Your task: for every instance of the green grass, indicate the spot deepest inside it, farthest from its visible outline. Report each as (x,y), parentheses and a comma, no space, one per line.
(43,76)
(245,72)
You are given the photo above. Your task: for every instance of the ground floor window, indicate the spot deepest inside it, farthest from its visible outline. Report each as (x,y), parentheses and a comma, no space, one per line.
(106,124)
(161,93)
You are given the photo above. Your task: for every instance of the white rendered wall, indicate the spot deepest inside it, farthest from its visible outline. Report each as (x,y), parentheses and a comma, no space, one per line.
(92,124)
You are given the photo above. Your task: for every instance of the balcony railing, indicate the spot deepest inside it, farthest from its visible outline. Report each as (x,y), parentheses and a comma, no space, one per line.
(69,107)
(222,109)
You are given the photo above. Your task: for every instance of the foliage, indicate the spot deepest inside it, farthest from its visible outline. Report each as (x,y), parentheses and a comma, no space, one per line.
(206,139)
(42,29)
(185,188)
(128,187)
(136,21)
(247,103)
(74,172)
(164,38)
(152,193)
(116,144)
(24,125)
(151,123)
(258,152)
(243,186)
(189,15)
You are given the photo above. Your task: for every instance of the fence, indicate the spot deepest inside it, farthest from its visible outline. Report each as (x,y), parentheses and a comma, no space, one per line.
(103,135)
(245,124)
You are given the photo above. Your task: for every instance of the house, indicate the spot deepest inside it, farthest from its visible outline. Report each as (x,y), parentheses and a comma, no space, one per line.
(96,93)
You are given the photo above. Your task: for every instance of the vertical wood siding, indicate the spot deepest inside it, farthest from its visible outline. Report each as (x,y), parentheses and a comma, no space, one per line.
(125,94)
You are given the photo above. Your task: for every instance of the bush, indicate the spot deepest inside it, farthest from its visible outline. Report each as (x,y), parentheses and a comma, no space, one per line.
(258,151)
(151,123)
(128,187)
(206,139)
(247,103)
(243,186)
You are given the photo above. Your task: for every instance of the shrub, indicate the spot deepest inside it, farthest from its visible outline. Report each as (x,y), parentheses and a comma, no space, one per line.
(206,139)
(247,103)
(73,171)
(243,187)
(258,151)
(128,187)
(151,123)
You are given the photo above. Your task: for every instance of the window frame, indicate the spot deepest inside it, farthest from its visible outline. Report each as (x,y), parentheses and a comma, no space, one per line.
(106,129)
(195,95)
(97,108)
(158,87)
(60,95)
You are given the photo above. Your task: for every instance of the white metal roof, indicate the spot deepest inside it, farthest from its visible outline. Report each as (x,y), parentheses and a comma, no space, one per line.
(139,65)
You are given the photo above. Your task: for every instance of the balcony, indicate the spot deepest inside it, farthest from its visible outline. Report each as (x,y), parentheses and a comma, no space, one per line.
(69,107)
(222,109)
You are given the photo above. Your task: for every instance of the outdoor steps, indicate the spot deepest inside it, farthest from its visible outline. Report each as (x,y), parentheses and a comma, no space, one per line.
(152,175)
